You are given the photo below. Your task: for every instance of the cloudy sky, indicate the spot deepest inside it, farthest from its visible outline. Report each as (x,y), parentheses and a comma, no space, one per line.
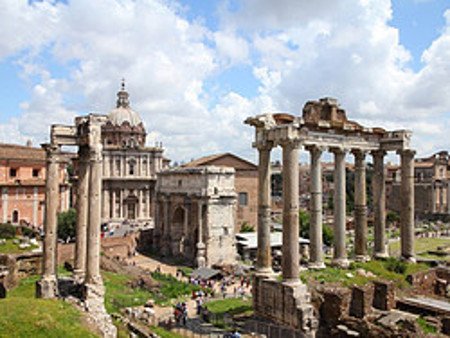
(196,69)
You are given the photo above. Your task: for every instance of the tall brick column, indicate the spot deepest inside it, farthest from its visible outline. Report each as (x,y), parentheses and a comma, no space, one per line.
(379,204)
(290,259)
(360,207)
(407,205)
(47,286)
(264,255)
(82,213)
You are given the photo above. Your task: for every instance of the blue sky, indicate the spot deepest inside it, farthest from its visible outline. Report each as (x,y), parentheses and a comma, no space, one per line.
(209,64)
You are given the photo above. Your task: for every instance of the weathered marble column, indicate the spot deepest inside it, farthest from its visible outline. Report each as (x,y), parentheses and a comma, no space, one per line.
(407,205)
(47,286)
(290,248)
(360,207)
(315,228)
(379,204)
(93,276)
(82,213)
(340,252)
(200,260)
(264,254)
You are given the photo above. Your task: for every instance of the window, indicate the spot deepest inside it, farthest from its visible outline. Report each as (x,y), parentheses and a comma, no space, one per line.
(35,172)
(118,167)
(131,168)
(243,198)
(180,183)
(12,172)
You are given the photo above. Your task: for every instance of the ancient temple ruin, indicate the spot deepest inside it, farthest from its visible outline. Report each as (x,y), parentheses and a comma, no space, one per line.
(323,126)
(195,215)
(86,134)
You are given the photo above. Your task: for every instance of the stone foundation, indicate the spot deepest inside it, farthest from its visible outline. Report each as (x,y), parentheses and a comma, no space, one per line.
(383,295)
(286,304)
(361,301)
(47,287)
(94,306)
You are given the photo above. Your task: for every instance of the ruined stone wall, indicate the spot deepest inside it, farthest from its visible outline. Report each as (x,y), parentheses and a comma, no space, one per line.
(247,182)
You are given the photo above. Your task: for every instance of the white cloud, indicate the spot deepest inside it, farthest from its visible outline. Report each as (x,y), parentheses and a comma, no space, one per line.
(298,50)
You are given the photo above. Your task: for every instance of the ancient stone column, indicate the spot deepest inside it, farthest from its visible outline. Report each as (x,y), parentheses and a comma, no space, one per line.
(315,228)
(47,285)
(360,207)
(290,248)
(407,204)
(82,213)
(93,276)
(200,260)
(264,254)
(340,252)
(379,204)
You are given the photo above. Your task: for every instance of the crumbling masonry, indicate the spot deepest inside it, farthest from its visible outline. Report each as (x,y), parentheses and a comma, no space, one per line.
(323,126)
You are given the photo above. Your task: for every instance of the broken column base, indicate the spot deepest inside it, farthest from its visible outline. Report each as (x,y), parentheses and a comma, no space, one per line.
(287,304)
(93,296)
(47,287)
(340,263)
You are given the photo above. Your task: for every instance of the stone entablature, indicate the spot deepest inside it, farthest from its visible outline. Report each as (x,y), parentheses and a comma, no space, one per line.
(196,215)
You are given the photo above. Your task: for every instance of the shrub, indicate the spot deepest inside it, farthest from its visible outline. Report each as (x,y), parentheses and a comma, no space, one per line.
(327,235)
(7,231)
(67,224)
(245,227)
(394,265)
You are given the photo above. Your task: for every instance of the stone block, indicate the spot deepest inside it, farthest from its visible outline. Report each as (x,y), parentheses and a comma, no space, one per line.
(383,295)
(446,325)
(335,305)
(361,301)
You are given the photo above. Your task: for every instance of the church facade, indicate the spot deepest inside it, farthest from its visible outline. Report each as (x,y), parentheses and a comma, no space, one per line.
(129,167)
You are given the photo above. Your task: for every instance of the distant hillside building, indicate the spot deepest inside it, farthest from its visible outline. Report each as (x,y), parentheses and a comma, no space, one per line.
(431,185)
(245,184)
(22,183)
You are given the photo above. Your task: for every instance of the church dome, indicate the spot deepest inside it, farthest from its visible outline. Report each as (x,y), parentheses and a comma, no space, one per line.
(123,112)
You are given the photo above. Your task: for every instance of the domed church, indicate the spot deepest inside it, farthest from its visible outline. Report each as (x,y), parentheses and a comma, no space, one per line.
(129,166)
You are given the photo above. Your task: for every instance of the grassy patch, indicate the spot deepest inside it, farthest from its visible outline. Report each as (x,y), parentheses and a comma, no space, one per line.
(391,269)
(170,288)
(30,317)
(163,333)
(231,306)
(185,270)
(425,326)
(11,248)
(421,245)
(119,294)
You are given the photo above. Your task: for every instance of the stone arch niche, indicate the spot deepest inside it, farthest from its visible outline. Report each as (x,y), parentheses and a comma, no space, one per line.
(15,217)
(178,230)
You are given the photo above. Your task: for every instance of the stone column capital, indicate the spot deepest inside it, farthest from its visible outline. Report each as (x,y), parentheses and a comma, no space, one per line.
(359,154)
(264,146)
(52,151)
(379,153)
(315,149)
(95,153)
(338,150)
(408,153)
(290,143)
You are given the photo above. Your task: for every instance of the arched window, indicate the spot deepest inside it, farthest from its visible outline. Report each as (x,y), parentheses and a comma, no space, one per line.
(132,167)
(15,217)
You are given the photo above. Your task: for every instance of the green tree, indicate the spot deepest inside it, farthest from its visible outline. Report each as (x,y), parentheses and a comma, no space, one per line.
(304,221)
(67,224)
(327,235)
(392,217)
(245,227)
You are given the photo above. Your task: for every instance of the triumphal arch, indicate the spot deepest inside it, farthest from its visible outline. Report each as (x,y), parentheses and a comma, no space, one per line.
(87,280)
(322,127)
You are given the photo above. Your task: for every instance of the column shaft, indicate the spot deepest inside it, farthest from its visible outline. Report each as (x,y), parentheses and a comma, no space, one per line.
(360,207)
(340,252)
(264,255)
(82,214)
(290,259)
(315,228)
(200,257)
(95,189)
(47,287)
(379,204)
(407,203)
